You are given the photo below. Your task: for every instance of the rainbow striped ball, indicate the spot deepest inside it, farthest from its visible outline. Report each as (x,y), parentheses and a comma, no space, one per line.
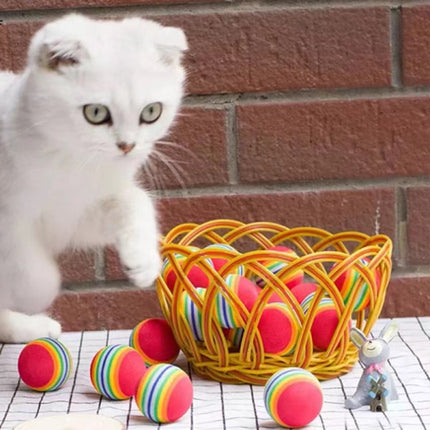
(44,364)
(234,337)
(116,371)
(192,313)
(153,339)
(324,323)
(219,262)
(196,275)
(347,281)
(293,397)
(164,394)
(245,290)
(279,328)
(277,266)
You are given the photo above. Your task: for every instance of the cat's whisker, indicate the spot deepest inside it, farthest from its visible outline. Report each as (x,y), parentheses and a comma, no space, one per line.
(155,177)
(173,167)
(176,146)
(179,165)
(149,176)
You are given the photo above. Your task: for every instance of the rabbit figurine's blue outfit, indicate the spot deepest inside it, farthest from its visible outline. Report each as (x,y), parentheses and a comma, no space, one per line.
(373,355)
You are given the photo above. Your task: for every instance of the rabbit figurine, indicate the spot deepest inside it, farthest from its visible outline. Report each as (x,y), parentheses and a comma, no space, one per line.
(373,355)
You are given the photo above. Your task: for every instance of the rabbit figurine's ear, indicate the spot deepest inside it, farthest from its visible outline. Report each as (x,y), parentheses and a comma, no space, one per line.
(358,337)
(389,331)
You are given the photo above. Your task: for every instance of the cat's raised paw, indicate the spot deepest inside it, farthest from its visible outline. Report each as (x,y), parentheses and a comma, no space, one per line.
(144,275)
(141,263)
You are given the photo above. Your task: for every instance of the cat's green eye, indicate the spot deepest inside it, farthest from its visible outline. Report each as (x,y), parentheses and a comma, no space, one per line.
(97,114)
(151,113)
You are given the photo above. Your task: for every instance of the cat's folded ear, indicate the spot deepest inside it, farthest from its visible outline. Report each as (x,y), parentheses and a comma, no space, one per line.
(64,53)
(54,47)
(172,43)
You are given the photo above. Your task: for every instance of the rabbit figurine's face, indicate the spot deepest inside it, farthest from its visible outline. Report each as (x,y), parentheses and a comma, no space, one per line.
(374,351)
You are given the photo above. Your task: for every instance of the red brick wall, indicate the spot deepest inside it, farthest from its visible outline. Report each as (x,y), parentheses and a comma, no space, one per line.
(300,112)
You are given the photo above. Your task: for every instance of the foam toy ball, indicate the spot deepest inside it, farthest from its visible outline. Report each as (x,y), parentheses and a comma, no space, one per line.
(301,291)
(44,364)
(325,322)
(196,275)
(246,291)
(234,336)
(165,393)
(277,266)
(293,397)
(116,371)
(347,281)
(278,327)
(218,263)
(192,314)
(153,339)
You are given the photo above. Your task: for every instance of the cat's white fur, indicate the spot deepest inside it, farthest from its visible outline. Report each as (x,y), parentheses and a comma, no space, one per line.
(64,182)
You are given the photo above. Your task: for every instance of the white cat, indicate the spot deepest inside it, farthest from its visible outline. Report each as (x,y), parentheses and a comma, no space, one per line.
(74,128)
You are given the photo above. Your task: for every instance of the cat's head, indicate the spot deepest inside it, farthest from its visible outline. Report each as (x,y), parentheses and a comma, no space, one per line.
(104,88)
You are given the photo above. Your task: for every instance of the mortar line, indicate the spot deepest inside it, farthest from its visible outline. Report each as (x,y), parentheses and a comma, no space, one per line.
(99,265)
(232,146)
(341,184)
(396,46)
(401,242)
(193,8)
(308,95)
(123,11)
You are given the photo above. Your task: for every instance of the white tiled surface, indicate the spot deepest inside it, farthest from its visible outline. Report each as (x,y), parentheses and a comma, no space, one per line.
(221,406)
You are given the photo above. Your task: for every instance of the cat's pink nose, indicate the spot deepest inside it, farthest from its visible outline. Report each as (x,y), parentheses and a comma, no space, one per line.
(125,147)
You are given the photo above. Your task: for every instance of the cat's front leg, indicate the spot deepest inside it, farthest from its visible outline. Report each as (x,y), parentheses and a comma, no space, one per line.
(29,282)
(16,327)
(137,238)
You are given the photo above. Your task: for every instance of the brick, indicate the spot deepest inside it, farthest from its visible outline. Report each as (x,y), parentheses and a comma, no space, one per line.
(105,309)
(266,51)
(78,266)
(407,297)
(366,210)
(418,221)
(333,139)
(286,49)
(199,156)
(9,5)
(14,40)
(415,42)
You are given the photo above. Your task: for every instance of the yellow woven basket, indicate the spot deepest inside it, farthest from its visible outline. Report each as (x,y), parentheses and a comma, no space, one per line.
(317,252)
